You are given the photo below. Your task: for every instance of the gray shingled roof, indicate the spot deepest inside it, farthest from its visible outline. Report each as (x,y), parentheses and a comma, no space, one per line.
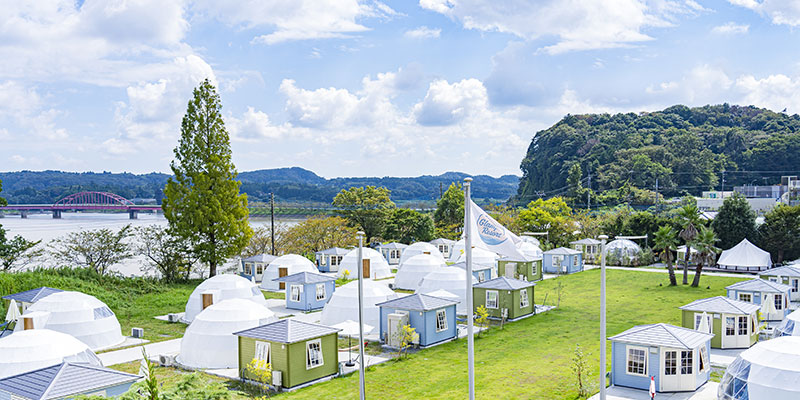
(33,295)
(786,270)
(663,335)
(305,277)
(65,379)
(721,305)
(562,251)
(587,241)
(393,245)
(503,283)
(333,251)
(475,267)
(287,331)
(760,285)
(418,302)
(442,241)
(262,258)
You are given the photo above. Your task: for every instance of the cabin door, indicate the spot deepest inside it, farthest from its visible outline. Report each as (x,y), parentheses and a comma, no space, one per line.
(511,270)
(365,270)
(282,271)
(670,369)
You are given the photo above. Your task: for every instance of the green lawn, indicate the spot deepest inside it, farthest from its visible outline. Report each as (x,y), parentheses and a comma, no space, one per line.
(530,358)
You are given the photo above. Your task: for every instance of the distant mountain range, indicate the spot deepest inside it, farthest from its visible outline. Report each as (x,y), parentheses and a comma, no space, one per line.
(289,185)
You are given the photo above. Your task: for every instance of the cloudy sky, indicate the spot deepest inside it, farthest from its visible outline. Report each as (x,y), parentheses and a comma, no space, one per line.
(355,88)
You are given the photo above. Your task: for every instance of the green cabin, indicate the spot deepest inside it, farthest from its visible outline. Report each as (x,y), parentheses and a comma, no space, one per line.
(298,352)
(505,293)
(523,269)
(734,323)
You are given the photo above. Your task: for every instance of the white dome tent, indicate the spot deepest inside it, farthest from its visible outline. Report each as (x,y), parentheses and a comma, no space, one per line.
(450,279)
(420,248)
(209,341)
(378,267)
(529,250)
(745,255)
(79,315)
(481,256)
(530,239)
(458,249)
(343,304)
(222,287)
(290,264)
(790,326)
(414,269)
(768,370)
(39,348)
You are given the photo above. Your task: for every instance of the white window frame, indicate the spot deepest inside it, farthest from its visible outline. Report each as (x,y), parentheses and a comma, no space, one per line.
(795,283)
(533,269)
(690,366)
(441,320)
(703,359)
(335,260)
(292,292)
(523,298)
(733,325)
(777,299)
(263,351)
(320,361)
(259,269)
(628,350)
(739,320)
(247,268)
(574,261)
(674,366)
(698,317)
(748,295)
(324,294)
(558,259)
(496,301)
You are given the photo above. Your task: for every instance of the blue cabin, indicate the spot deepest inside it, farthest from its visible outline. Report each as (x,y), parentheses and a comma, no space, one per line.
(253,267)
(433,318)
(677,358)
(481,272)
(27,298)
(308,291)
(328,260)
(65,381)
(757,291)
(392,252)
(562,261)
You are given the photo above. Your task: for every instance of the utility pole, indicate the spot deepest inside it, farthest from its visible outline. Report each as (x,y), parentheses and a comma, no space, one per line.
(441,192)
(723,184)
(272,219)
(589,192)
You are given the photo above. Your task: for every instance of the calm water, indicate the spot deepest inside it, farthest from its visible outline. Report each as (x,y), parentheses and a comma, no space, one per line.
(43,227)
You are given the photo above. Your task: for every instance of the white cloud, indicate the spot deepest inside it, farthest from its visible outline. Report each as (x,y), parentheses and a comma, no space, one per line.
(703,84)
(780,12)
(253,125)
(18,159)
(25,107)
(731,28)
(423,32)
(776,92)
(447,104)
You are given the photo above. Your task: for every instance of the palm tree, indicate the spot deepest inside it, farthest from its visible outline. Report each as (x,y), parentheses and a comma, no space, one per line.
(706,251)
(666,241)
(690,217)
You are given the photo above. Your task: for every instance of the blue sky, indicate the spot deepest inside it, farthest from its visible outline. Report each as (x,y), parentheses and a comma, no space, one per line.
(369,88)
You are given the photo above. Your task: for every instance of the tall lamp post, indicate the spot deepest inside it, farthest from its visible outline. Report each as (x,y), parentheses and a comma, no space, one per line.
(468,272)
(360,266)
(603,239)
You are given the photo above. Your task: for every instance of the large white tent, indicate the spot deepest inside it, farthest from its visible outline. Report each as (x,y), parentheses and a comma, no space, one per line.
(209,341)
(768,370)
(450,279)
(622,248)
(414,269)
(293,264)
(39,348)
(481,256)
(343,304)
(790,326)
(378,267)
(79,315)
(222,287)
(529,250)
(458,249)
(745,255)
(420,248)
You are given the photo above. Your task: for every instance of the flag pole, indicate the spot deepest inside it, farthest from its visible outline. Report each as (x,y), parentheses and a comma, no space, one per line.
(603,316)
(468,271)
(360,267)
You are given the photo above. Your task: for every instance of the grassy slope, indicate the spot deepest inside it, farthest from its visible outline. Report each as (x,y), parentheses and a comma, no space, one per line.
(530,358)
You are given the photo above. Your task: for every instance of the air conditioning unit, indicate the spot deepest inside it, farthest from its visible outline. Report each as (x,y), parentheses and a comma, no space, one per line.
(166,360)
(277,378)
(396,322)
(137,333)
(173,317)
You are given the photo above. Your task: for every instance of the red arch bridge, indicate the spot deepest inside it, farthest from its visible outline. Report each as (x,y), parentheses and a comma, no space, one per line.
(85,201)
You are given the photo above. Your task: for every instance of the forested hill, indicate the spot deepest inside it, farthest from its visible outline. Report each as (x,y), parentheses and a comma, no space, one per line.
(288,184)
(686,149)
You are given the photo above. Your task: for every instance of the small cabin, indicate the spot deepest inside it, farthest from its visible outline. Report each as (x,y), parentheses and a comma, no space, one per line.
(562,261)
(253,267)
(298,352)
(308,291)
(734,323)
(589,247)
(772,297)
(433,318)
(27,298)
(328,260)
(676,357)
(787,275)
(503,295)
(526,269)
(445,246)
(392,252)
(65,381)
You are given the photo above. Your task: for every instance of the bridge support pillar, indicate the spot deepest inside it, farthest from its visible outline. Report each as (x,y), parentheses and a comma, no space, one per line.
(23,214)
(133,214)
(56,214)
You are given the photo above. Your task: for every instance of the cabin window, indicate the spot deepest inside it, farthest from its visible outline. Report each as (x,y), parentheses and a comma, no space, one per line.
(259,269)
(699,317)
(335,260)
(557,260)
(670,363)
(442,248)
(294,292)
(247,269)
(533,269)
(743,326)
(746,297)
(523,298)
(441,320)
(320,291)
(795,285)
(637,361)
(575,261)
(313,353)
(778,298)
(262,351)
(686,362)
(703,358)
(491,299)
(730,326)
(481,276)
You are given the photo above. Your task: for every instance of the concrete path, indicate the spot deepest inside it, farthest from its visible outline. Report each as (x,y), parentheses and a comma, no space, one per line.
(706,392)
(172,347)
(724,357)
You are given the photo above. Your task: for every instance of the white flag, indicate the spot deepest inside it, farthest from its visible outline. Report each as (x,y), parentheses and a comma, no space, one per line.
(494,236)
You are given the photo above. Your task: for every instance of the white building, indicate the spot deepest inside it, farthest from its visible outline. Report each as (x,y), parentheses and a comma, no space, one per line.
(218,288)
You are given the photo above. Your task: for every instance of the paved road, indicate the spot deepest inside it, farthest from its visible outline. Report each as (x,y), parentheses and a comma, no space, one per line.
(135,353)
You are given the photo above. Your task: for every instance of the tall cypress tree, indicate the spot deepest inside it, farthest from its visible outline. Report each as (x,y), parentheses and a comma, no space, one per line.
(202,201)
